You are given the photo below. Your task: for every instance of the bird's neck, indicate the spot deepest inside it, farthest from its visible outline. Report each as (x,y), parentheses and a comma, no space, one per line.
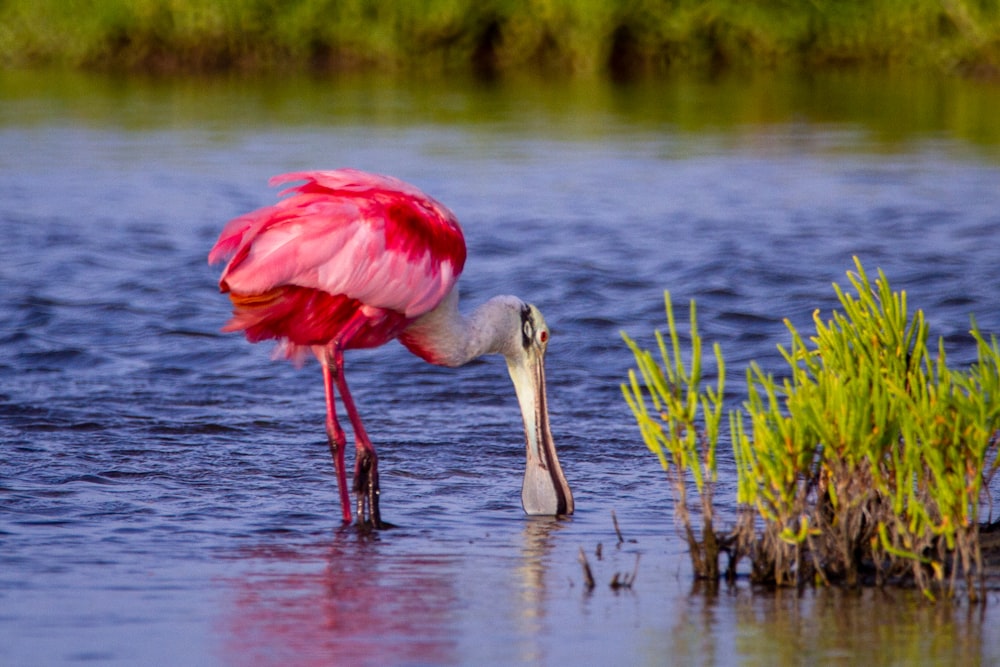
(445,337)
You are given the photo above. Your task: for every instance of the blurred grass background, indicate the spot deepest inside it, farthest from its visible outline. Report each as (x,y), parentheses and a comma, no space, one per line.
(615,38)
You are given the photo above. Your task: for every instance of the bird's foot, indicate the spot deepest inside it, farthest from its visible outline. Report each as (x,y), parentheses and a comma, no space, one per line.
(366,490)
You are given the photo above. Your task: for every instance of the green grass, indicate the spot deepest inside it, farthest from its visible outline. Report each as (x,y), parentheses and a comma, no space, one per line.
(866,463)
(561,37)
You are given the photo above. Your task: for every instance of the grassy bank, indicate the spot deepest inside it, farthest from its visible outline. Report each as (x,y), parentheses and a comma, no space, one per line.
(577,37)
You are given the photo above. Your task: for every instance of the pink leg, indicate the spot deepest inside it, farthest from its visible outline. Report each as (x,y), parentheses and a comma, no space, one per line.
(366,486)
(337,439)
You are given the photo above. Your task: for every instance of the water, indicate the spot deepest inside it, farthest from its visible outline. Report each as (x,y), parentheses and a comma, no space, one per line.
(166,494)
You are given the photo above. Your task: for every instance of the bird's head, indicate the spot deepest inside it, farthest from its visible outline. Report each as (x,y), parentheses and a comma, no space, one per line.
(545,490)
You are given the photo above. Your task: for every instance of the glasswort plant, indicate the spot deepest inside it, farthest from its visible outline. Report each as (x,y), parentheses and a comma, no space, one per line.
(683,429)
(866,463)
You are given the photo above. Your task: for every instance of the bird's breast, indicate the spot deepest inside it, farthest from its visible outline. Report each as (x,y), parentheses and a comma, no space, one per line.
(306,317)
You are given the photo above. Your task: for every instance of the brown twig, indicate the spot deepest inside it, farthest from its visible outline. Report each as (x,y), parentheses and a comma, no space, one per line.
(621,580)
(588,576)
(618,531)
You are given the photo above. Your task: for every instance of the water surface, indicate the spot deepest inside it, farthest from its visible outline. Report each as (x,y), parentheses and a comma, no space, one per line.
(166,494)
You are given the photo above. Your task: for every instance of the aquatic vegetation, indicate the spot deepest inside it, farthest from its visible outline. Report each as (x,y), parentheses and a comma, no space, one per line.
(561,36)
(867,463)
(682,430)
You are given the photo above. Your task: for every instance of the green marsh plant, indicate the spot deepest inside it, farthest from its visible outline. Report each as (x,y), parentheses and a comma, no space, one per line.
(682,429)
(865,463)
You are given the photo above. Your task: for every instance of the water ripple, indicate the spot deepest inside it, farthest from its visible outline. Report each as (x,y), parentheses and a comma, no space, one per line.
(145,456)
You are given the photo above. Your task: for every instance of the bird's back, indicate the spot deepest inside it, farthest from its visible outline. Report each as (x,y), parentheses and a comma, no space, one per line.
(343,253)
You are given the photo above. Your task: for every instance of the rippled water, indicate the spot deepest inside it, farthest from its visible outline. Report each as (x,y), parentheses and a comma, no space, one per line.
(166,494)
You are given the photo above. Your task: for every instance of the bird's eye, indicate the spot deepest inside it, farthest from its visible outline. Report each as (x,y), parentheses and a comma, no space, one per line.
(543,336)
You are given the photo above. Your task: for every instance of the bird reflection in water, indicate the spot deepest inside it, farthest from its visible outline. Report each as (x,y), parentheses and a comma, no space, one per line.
(538,535)
(367,598)
(344,603)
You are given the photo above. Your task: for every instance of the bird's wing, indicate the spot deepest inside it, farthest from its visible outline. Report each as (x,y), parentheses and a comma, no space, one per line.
(369,237)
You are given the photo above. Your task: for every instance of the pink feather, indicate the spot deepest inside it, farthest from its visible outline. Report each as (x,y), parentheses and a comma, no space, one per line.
(364,243)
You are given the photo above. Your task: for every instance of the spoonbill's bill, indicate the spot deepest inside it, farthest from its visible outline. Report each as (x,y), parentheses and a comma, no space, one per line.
(348,259)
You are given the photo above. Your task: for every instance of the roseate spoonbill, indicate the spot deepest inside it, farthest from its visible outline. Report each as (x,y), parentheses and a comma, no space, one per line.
(348,259)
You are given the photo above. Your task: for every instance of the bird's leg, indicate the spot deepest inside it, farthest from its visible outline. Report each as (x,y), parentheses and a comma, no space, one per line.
(337,439)
(366,486)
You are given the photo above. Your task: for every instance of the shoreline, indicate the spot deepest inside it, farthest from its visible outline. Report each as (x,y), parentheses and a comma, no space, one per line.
(561,39)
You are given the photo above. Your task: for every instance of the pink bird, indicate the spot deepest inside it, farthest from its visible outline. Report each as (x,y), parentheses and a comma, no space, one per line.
(348,260)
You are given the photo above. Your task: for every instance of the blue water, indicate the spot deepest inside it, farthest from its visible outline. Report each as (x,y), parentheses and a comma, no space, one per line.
(166,493)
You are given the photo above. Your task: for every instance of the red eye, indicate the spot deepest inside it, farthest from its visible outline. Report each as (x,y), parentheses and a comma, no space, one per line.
(543,336)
